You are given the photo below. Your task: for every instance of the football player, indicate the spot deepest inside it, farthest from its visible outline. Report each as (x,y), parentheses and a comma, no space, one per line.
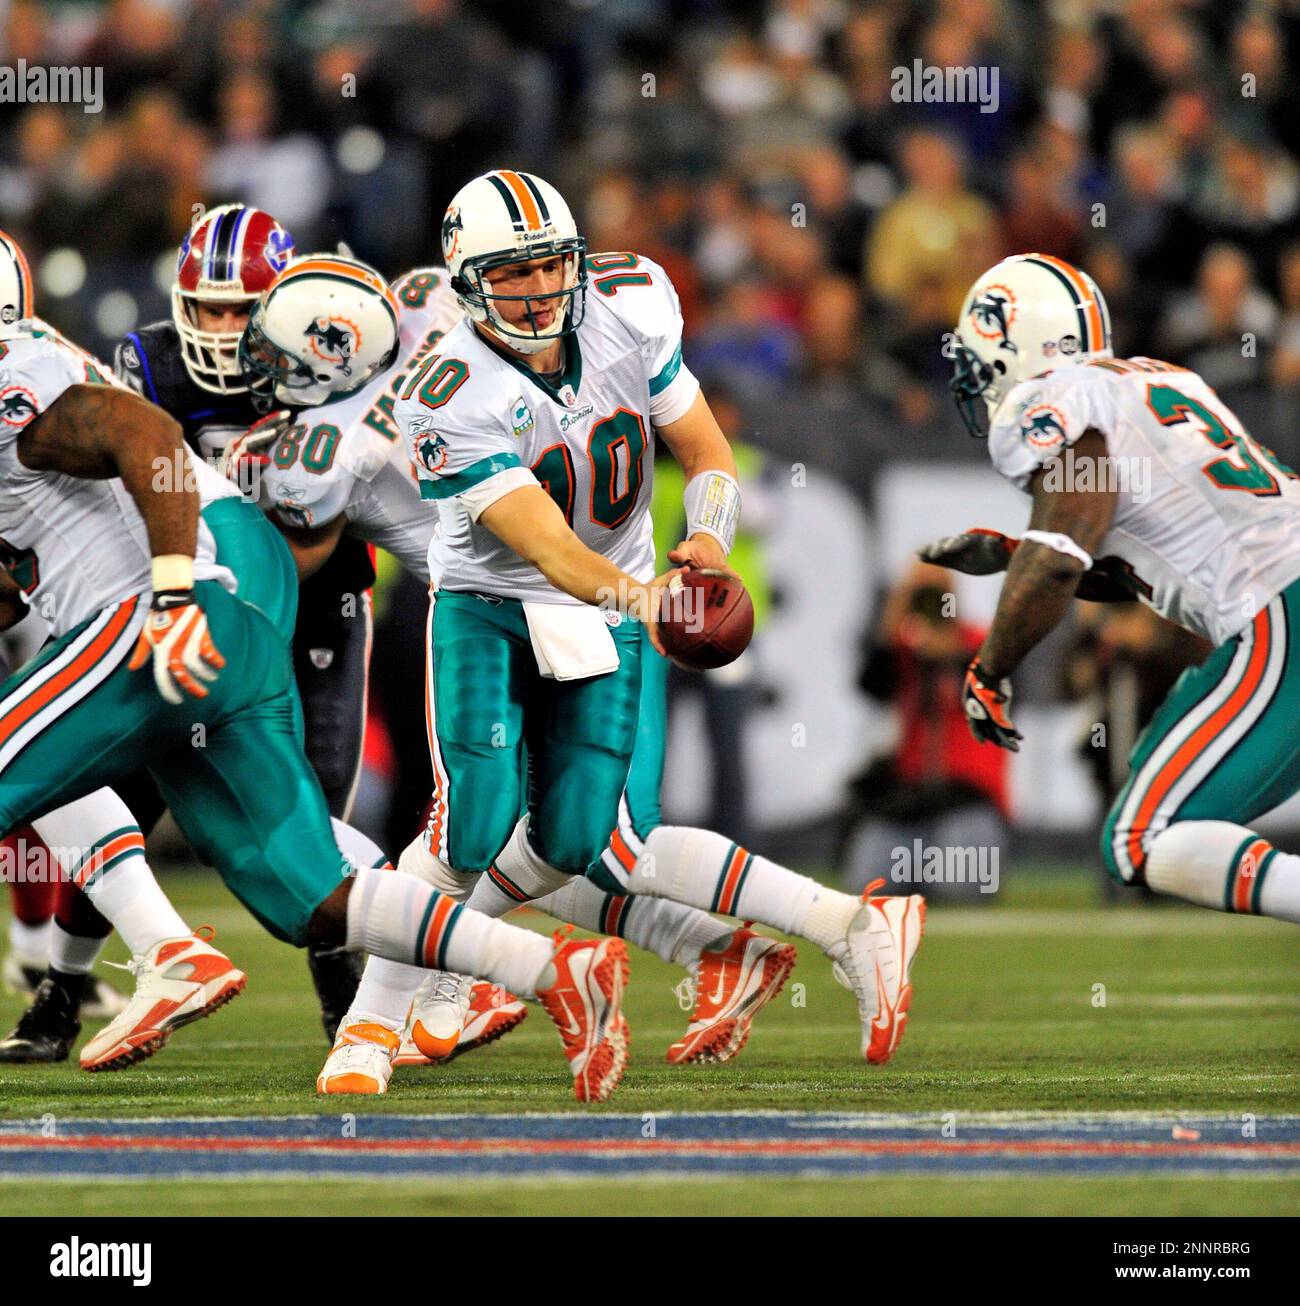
(94,527)
(1142,482)
(529,429)
(189,367)
(342,468)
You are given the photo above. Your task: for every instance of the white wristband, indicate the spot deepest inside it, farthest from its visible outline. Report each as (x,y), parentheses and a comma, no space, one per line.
(1062,544)
(173,571)
(713,506)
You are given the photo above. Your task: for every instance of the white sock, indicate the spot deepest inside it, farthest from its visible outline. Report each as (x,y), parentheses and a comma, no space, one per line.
(385,994)
(387,987)
(1227,867)
(517,877)
(360,849)
(676,933)
(71,954)
(709,871)
(400,917)
(30,943)
(416,859)
(96,842)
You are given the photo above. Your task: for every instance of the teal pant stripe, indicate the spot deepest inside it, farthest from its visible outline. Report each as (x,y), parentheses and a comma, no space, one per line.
(423,930)
(447,933)
(1234,869)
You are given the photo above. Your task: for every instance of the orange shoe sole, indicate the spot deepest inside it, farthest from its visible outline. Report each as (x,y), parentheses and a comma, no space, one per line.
(727,1038)
(603,1072)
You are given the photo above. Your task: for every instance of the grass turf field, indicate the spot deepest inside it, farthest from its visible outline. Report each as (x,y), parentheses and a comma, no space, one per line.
(1199,1013)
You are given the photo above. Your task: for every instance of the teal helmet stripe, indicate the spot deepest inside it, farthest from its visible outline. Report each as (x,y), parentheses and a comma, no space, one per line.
(504,191)
(1085,336)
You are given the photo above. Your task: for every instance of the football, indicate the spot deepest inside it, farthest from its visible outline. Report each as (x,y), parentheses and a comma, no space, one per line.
(707,620)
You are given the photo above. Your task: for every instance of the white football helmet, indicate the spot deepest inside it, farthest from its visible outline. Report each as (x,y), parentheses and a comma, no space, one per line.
(326,327)
(16,299)
(506,217)
(1023,317)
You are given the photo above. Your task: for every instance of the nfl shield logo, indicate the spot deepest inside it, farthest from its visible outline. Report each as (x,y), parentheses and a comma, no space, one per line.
(321,657)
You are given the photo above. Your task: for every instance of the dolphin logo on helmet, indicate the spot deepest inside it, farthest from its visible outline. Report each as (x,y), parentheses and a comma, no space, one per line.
(352,332)
(1025,316)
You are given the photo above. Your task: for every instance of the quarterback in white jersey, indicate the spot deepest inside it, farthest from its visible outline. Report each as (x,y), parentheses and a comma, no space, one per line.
(530,431)
(340,467)
(1144,485)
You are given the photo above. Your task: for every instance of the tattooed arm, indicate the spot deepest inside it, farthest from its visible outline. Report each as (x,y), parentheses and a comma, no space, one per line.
(97,432)
(1040,580)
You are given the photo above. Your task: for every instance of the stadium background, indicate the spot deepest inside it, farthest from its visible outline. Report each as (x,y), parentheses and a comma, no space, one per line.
(820,234)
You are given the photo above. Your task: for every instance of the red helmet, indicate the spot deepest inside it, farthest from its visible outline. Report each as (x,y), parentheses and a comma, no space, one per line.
(232,255)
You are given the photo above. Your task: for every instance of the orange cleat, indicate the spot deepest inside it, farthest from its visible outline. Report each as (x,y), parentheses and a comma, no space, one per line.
(177,981)
(493,1012)
(586,1004)
(731,988)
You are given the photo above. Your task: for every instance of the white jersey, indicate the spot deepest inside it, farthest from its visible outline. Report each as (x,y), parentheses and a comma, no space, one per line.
(75,546)
(1206,519)
(478,425)
(346,457)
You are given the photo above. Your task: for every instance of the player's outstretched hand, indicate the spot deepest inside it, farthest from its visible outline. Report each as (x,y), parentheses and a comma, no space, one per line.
(245,456)
(987,700)
(176,635)
(976,552)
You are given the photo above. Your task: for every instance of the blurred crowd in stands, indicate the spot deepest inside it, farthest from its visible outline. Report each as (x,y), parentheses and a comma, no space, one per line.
(820,232)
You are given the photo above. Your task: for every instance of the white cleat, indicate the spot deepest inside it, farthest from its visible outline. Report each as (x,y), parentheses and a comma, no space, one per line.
(361,1062)
(437,1017)
(177,981)
(875,963)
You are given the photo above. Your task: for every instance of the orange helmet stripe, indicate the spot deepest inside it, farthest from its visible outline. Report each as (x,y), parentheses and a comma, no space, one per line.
(27,307)
(524,196)
(338,268)
(1087,299)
